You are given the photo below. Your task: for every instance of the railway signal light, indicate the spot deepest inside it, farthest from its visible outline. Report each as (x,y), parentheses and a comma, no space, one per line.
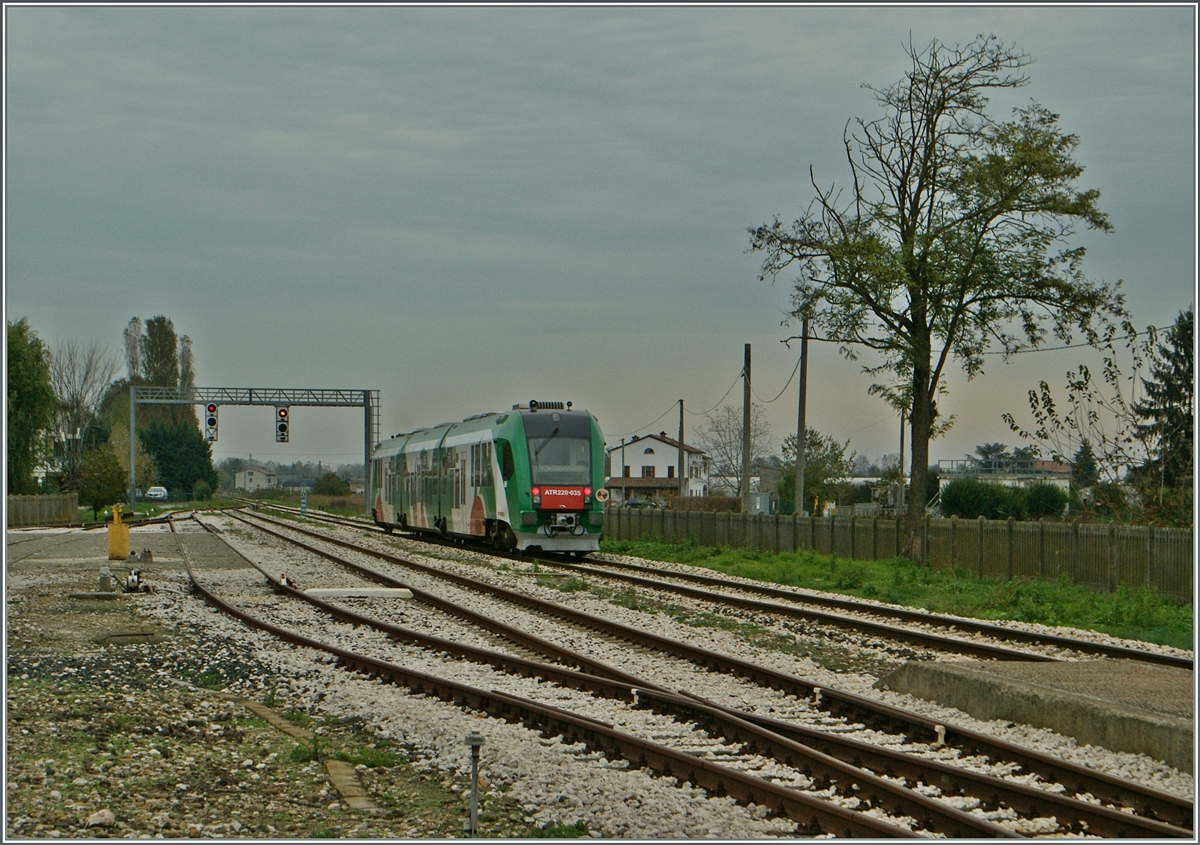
(281,425)
(210,422)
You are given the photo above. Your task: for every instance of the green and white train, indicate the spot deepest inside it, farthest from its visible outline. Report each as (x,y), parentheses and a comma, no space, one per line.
(530,478)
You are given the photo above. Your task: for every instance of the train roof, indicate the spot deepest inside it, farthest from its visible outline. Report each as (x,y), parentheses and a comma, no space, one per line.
(394,443)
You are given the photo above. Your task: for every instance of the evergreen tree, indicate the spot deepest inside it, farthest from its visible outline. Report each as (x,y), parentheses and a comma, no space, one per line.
(1084,469)
(30,404)
(1169,404)
(181,454)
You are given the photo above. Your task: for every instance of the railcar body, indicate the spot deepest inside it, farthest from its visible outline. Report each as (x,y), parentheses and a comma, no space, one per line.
(529,478)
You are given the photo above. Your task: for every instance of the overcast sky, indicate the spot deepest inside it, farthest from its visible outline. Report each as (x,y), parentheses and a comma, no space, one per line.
(469,207)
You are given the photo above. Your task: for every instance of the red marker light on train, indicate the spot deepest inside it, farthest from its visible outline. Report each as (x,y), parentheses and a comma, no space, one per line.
(587,491)
(536,491)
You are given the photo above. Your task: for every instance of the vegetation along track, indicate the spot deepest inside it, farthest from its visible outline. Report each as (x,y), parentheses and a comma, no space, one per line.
(990,791)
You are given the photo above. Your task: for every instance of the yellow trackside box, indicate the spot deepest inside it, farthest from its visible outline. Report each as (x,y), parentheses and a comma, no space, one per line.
(118,537)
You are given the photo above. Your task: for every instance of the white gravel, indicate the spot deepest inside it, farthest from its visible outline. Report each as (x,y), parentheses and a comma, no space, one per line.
(597,798)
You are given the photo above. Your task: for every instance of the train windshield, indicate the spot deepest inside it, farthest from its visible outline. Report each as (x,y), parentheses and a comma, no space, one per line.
(557,459)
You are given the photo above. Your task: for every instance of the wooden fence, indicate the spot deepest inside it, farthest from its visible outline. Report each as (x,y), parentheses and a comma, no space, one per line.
(61,509)
(1101,556)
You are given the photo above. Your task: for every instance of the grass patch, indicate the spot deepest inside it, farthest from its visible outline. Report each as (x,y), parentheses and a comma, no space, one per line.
(563,585)
(1136,614)
(298,717)
(558,830)
(373,758)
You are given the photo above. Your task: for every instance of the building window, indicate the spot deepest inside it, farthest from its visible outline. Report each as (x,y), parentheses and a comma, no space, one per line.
(625,472)
(671,471)
(648,451)
(647,472)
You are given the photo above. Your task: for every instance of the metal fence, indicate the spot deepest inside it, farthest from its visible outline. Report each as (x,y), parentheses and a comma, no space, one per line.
(1102,557)
(61,509)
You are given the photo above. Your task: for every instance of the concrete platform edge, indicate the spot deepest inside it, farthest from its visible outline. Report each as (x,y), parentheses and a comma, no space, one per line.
(1090,721)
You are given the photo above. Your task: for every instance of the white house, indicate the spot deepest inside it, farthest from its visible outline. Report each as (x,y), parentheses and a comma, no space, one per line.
(255,478)
(647,468)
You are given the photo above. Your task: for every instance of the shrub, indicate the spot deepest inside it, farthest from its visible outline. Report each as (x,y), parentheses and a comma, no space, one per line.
(201,492)
(970,498)
(330,485)
(1044,500)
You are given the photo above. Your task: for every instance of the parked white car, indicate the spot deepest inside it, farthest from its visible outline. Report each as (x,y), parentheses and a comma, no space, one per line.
(157,493)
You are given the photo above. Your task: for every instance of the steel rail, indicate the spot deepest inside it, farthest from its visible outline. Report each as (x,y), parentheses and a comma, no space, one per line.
(826,770)
(934,641)
(814,814)
(1145,801)
(1000,632)
(833,759)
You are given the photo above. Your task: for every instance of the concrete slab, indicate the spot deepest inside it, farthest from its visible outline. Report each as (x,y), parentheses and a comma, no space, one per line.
(1121,705)
(358,592)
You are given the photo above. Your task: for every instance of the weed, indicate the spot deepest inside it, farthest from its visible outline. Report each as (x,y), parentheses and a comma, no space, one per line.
(558,830)
(307,750)
(372,757)
(630,600)
(568,585)
(297,717)
(210,679)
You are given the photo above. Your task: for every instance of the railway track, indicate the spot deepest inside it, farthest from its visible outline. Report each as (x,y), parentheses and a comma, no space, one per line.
(830,610)
(672,753)
(1149,808)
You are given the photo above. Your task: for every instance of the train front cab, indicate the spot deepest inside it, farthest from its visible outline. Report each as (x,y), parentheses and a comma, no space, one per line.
(559,469)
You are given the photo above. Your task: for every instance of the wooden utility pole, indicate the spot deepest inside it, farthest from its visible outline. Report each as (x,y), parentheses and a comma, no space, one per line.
(683,482)
(801,427)
(746,432)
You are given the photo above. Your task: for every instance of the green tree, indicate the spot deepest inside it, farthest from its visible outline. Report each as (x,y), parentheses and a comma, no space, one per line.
(825,462)
(330,485)
(1169,404)
(102,480)
(953,235)
(182,456)
(1084,470)
(159,348)
(30,404)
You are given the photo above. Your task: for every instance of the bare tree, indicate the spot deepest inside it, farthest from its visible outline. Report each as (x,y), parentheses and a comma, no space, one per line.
(80,372)
(721,437)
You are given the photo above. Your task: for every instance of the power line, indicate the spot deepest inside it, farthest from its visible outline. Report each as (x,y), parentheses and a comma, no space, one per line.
(785,387)
(672,406)
(872,425)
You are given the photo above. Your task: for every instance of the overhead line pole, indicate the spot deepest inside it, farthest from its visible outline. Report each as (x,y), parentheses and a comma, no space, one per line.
(801,427)
(746,432)
(683,483)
